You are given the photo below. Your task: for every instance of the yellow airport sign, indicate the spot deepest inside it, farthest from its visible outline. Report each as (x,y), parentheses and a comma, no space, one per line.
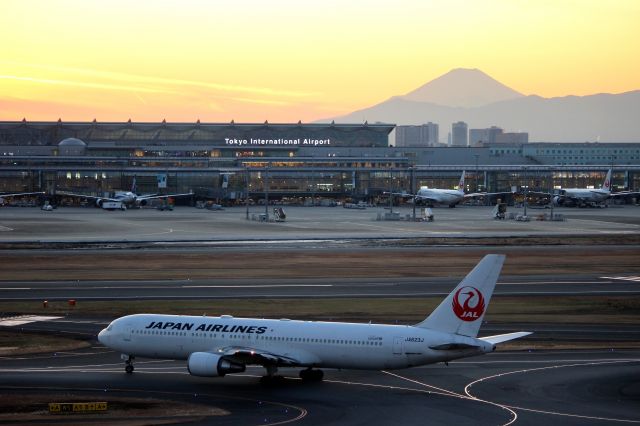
(76,407)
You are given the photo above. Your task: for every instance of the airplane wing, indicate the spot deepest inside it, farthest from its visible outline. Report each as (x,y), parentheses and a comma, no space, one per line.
(91,197)
(247,355)
(400,194)
(486,194)
(16,194)
(613,194)
(155,196)
(428,199)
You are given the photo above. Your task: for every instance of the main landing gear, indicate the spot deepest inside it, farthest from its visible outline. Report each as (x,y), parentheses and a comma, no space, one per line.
(128,367)
(271,378)
(310,375)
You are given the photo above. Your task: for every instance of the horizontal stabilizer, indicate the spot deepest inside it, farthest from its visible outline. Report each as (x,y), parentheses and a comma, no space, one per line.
(500,338)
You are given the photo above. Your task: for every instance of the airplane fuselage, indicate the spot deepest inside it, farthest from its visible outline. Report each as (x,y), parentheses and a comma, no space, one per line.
(440,196)
(597,195)
(311,344)
(126,197)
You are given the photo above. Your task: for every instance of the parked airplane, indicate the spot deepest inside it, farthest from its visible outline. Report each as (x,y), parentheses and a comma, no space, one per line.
(122,199)
(450,197)
(585,196)
(215,346)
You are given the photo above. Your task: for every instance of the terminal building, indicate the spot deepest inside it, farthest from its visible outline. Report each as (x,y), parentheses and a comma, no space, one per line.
(225,161)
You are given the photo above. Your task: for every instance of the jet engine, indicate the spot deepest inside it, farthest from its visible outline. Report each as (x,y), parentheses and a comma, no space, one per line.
(206,364)
(558,201)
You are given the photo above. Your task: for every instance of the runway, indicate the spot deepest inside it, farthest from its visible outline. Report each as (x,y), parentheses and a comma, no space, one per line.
(524,388)
(202,289)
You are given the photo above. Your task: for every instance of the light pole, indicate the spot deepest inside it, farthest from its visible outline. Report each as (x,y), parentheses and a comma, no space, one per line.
(412,169)
(266,192)
(476,179)
(246,188)
(526,191)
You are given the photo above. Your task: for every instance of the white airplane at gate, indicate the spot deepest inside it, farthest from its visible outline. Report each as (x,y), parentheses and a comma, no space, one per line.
(586,196)
(449,197)
(216,346)
(122,199)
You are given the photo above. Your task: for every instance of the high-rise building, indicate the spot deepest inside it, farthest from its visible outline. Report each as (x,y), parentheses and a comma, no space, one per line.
(459,134)
(494,135)
(484,136)
(422,135)
(513,138)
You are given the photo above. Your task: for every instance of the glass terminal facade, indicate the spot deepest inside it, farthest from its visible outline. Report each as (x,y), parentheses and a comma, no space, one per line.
(337,161)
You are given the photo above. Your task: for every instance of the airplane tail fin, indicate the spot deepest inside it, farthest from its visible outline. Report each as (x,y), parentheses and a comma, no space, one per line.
(461,182)
(606,185)
(462,311)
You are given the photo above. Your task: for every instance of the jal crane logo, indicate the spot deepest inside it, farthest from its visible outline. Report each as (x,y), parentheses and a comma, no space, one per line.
(468,304)
(606,184)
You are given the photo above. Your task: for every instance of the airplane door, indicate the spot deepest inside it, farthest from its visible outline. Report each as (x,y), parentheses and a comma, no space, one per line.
(128,331)
(397,345)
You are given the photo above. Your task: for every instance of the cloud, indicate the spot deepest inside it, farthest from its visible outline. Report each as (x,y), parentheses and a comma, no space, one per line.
(157,81)
(261,101)
(92,85)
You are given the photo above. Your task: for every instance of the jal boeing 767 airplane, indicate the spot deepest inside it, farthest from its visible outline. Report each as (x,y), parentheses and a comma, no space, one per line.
(216,346)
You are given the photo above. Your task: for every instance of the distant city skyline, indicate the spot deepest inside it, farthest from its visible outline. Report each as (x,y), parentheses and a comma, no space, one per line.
(285,61)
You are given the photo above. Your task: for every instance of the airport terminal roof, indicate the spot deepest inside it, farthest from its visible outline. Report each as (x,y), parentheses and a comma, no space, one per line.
(52,132)
(72,142)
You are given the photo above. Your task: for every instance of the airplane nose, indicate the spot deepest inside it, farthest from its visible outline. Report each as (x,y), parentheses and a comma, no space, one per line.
(102,337)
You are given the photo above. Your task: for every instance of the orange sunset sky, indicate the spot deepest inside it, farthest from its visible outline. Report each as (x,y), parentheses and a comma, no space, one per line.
(285,61)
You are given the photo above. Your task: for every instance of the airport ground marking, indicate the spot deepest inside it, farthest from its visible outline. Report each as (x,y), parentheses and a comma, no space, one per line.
(514,415)
(467,389)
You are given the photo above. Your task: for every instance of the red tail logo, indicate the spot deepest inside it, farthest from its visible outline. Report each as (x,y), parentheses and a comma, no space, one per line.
(606,184)
(468,304)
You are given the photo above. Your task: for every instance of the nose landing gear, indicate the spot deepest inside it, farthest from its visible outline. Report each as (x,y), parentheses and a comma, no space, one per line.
(128,367)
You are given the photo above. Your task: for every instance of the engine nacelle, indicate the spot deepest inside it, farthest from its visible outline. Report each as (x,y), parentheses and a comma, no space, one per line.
(99,202)
(206,364)
(558,201)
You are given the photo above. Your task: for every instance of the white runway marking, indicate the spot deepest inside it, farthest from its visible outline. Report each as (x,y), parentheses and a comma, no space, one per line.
(25,319)
(5,229)
(624,278)
(257,286)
